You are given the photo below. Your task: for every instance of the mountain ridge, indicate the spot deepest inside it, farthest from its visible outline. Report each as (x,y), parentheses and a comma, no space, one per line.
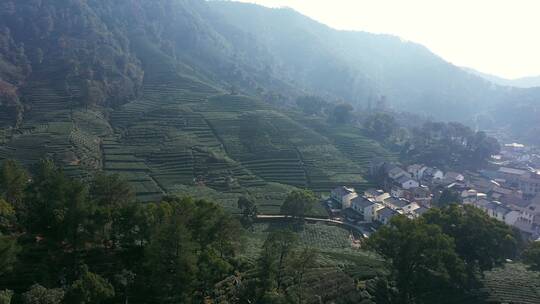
(520,82)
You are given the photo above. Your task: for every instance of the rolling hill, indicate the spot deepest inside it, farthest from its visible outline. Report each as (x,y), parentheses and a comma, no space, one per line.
(197,97)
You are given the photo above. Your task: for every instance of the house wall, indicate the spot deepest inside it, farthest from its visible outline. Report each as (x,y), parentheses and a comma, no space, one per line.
(512,217)
(346,200)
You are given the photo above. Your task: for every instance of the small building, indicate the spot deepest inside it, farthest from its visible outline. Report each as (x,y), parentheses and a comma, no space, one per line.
(343,195)
(366,207)
(512,176)
(432,175)
(415,171)
(385,214)
(529,185)
(406,182)
(396,173)
(396,203)
(420,194)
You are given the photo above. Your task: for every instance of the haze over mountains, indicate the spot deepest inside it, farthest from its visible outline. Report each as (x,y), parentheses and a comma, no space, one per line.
(523,82)
(122,60)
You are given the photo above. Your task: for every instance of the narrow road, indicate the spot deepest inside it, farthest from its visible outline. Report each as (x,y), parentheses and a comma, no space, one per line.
(360,229)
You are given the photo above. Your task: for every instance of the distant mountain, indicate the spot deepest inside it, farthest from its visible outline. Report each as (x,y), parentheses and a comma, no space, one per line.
(524,82)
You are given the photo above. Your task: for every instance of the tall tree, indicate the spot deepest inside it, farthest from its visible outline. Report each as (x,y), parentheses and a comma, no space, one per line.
(8,253)
(249,211)
(423,261)
(277,249)
(5,296)
(171,256)
(482,242)
(89,288)
(447,197)
(8,217)
(342,113)
(110,193)
(381,126)
(531,256)
(298,265)
(41,295)
(299,203)
(13,181)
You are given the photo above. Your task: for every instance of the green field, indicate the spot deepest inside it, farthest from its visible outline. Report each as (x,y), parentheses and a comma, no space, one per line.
(340,271)
(512,283)
(182,135)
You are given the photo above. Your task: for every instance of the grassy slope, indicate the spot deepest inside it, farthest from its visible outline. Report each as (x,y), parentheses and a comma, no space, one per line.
(512,283)
(340,270)
(183,135)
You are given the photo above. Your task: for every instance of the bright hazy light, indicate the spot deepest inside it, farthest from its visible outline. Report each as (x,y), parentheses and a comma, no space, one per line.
(500,37)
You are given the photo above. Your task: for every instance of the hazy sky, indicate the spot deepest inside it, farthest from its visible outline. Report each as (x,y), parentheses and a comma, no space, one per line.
(500,37)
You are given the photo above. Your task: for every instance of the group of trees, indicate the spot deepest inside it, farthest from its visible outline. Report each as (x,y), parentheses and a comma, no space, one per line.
(64,240)
(338,113)
(280,271)
(438,257)
(433,143)
(67,241)
(449,144)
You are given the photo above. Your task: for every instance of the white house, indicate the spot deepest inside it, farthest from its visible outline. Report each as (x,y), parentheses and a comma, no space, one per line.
(415,171)
(410,210)
(406,182)
(366,207)
(343,195)
(432,174)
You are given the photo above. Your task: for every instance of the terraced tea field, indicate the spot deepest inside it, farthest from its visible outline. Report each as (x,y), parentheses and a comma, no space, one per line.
(182,134)
(512,283)
(339,271)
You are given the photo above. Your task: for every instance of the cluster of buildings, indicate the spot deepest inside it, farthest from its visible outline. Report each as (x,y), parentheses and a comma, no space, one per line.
(509,192)
(406,191)
(375,205)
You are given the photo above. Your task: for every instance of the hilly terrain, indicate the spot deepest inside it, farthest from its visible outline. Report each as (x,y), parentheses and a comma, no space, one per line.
(522,82)
(198,97)
(133,106)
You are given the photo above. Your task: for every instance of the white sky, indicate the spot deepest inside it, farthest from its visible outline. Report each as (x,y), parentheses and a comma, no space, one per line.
(500,37)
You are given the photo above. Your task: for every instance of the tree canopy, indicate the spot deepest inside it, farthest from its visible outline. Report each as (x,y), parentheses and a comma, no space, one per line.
(298,203)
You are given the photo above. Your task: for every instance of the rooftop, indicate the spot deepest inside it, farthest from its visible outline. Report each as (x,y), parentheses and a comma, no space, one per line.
(512,171)
(343,191)
(362,202)
(387,212)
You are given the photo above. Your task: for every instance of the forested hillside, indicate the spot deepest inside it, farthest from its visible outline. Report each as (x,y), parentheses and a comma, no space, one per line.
(176,94)
(357,66)
(149,90)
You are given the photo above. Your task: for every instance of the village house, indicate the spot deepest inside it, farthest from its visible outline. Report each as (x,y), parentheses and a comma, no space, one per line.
(529,184)
(416,171)
(343,195)
(366,207)
(396,173)
(511,176)
(406,182)
(385,214)
(410,210)
(376,195)
(396,203)
(431,175)
(420,194)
